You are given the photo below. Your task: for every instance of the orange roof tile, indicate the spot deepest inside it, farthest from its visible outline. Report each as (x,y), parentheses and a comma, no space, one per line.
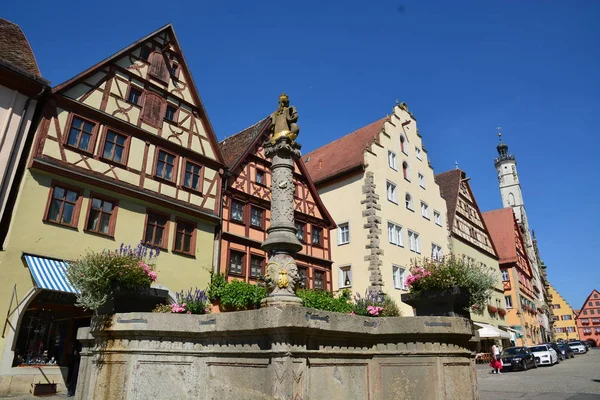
(342,155)
(501,225)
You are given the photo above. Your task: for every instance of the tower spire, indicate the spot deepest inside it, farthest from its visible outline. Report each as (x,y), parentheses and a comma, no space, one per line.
(502,149)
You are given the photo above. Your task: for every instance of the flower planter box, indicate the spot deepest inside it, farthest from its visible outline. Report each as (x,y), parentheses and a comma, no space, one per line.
(445,303)
(144,300)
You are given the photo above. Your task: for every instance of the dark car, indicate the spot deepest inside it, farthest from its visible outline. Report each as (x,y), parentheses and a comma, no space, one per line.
(554,345)
(590,343)
(565,350)
(518,358)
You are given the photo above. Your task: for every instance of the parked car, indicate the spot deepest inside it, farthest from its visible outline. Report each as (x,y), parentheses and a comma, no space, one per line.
(590,343)
(577,347)
(544,354)
(554,345)
(566,351)
(518,358)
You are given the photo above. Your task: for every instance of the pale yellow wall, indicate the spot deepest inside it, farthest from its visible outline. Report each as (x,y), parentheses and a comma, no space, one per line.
(564,309)
(30,234)
(460,248)
(343,199)
(428,231)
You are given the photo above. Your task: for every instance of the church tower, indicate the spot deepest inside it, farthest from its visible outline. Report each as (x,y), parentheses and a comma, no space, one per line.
(512,196)
(510,188)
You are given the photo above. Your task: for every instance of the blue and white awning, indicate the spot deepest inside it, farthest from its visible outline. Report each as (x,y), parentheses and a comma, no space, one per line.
(49,274)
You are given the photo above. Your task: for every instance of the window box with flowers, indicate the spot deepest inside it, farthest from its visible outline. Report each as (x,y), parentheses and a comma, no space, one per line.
(448,286)
(117,281)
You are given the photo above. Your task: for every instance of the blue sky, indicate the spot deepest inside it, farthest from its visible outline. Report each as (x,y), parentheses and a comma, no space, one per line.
(464,68)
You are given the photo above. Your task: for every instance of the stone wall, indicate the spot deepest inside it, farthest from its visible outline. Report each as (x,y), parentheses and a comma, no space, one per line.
(276,353)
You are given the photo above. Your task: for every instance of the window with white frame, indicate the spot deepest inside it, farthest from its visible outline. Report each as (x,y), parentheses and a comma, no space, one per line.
(424,210)
(505,275)
(436,252)
(421,180)
(408,201)
(392,192)
(508,301)
(418,153)
(395,234)
(437,218)
(343,233)
(392,161)
(398,277)
(345,277)
(414,242)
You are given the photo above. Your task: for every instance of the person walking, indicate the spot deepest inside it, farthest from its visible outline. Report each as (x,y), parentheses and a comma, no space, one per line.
(496,363)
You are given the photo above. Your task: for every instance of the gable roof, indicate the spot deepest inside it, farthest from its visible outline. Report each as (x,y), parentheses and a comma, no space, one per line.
(585,303)
(15,49)
(342,155)
(501,225)
(236,148)
(189,79)
(449,183)
(562,298)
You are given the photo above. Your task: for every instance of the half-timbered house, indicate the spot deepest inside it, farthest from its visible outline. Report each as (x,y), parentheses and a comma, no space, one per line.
(124,153)
(470,239)
(246,213)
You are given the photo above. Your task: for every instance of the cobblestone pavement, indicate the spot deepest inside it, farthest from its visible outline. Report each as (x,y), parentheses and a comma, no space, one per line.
(573,379)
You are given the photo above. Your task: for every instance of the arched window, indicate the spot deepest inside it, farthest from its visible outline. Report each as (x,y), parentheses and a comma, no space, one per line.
(408,201)
(405,170)
(511,199)
(403,144)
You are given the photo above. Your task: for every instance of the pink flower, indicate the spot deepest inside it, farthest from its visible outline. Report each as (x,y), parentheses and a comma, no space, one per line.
(189,312)
(352,313)
(374,310)
(176,308)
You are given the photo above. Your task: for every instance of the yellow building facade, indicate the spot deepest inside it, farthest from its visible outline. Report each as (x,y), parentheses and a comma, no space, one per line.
(379,187)
(565,324)
(124,153)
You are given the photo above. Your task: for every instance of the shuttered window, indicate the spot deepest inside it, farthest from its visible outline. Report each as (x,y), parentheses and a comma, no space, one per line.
(158,67)
(152,113)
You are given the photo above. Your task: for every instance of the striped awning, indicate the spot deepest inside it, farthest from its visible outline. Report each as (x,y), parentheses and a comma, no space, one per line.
(49,273)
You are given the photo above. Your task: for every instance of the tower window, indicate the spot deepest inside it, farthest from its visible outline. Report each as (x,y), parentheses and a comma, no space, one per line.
(511,199)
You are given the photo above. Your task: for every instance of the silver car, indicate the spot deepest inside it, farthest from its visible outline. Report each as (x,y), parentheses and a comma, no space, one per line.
(577,347)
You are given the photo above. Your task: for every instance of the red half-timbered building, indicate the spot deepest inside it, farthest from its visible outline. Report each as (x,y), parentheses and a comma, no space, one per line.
(246,213)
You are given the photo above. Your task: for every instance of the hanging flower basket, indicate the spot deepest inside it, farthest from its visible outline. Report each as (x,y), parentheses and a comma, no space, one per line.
(501,312)
(492,309)
(453,302)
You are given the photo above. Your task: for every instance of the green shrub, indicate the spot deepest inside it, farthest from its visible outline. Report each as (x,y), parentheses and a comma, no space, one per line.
(216,287)
(239,295)
(326,301)
(375,305)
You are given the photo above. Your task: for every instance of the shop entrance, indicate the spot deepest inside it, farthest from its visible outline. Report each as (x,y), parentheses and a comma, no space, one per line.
(47,331)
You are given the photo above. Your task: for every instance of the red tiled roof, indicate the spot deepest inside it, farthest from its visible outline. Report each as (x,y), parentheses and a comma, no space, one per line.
(501,225)
(235,147)
(449,183)
(342,155)
(15,49)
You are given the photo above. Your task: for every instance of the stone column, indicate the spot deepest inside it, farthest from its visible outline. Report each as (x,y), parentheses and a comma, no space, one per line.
(281,245)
